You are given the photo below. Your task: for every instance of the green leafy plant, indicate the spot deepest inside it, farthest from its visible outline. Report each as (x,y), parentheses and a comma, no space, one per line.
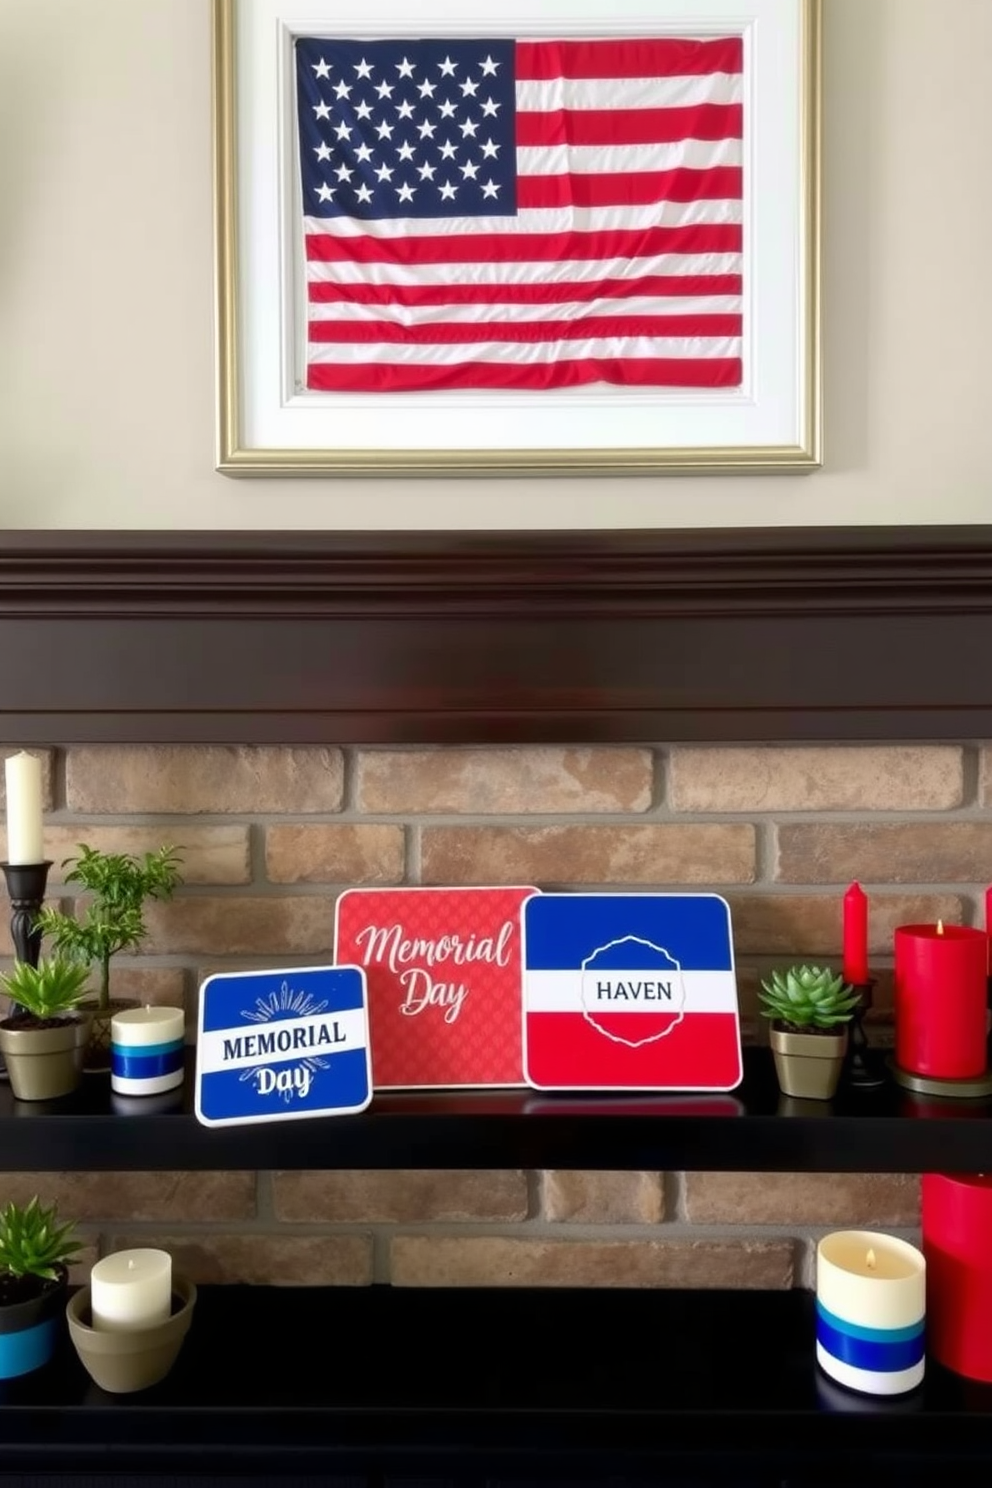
(113,920)
(49,990)
(808,999)
(33,1243)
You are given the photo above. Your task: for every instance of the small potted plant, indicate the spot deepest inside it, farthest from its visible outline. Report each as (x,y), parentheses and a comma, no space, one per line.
(810,1009)
(111,921)
(43,1040)
(34,1254)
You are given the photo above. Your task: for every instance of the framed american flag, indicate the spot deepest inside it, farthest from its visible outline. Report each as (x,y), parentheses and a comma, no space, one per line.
(576,236)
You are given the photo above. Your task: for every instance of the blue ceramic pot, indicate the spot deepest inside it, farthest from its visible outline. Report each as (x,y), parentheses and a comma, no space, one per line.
(29,1330)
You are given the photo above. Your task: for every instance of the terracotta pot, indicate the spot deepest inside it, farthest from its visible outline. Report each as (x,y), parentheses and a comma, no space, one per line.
(29,1330)
(808,1065)
(125,1360)
(98,1053)
(44,1063)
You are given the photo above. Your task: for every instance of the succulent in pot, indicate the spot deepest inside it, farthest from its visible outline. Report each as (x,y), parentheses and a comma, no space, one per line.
(109,920)
(43,1040)
(35,1250)
(810,1008)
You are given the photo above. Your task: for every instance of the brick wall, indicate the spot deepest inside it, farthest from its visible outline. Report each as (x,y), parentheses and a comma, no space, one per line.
(271,835)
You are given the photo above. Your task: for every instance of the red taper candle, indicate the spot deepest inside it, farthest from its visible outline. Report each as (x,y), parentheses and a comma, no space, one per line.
(957,1243)
(988,923)
(856,936)
(941,995)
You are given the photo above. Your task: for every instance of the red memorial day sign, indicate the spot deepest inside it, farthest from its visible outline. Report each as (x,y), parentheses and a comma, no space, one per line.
(443,968)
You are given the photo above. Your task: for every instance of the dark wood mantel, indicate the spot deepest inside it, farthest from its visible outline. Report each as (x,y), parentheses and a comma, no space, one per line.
(445,637)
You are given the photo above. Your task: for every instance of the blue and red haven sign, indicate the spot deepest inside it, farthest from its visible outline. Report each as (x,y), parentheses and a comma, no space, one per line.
(630,992)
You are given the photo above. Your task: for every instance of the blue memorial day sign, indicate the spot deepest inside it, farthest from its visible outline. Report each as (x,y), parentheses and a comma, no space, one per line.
(630,992)
(282,1045)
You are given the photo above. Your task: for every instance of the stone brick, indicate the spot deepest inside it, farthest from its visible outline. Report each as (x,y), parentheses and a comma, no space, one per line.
(883,995)
(985,776)
(431,1260)
(210,778)
(160,986)
(400,1197)
(241,926)
(47,757)
(261,1260)
(602,1198)
(154,986)
(339,854)
(890,852)
(851,1199)
(664,854)
(817,778)
(177,1197)
(796,925)
(748,983)
(210,855)
(83,1261)
(495,780)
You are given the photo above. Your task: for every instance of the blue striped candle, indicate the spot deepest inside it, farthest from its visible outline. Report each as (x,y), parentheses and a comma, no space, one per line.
(146,1050)
(870,1312)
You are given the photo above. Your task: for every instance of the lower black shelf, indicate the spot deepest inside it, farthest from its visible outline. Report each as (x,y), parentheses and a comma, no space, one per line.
(499,1387)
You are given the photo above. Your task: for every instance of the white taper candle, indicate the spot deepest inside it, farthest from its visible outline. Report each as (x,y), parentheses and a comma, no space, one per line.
(22,773)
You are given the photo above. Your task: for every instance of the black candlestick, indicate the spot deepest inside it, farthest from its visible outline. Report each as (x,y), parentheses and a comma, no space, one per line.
(26,887)
(861,1072)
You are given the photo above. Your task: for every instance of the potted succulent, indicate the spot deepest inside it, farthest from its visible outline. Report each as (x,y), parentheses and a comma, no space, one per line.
(43,1039)
(112,920)
(810,1009)
(34,1276)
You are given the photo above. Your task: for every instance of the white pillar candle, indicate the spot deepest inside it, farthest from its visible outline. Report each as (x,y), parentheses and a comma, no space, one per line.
(870,1311)
(131,1289)
(146,1050)
(22,773)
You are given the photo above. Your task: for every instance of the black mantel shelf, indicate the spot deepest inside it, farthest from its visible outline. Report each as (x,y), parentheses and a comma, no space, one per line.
(752,1128)
(499,1387)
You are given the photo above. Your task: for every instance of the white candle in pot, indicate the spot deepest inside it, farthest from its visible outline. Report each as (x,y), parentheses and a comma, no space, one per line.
(22,773)
(870,1311)
(131,1289)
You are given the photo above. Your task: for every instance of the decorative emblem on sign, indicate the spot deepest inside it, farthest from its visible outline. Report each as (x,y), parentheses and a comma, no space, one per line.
(630,992)
(610,989)
(279,1045)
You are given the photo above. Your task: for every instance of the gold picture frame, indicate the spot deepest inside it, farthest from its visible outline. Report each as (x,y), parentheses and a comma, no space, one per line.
(265,429)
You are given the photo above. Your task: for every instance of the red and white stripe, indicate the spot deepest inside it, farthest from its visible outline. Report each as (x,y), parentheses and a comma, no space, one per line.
(623,263)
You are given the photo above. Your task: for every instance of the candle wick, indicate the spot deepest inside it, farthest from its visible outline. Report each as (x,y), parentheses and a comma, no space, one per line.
(870,1260)
(940,927)
(130,1265)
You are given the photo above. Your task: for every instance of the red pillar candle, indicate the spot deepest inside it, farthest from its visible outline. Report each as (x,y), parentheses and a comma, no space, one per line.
(941,991)
(957,1243)
(856,936)
(988,923)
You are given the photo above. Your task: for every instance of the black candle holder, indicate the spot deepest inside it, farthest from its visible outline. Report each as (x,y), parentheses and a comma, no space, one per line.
(26,886)
(861,1071)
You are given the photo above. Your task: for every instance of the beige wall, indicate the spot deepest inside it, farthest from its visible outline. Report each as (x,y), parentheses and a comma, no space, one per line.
(106,356)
